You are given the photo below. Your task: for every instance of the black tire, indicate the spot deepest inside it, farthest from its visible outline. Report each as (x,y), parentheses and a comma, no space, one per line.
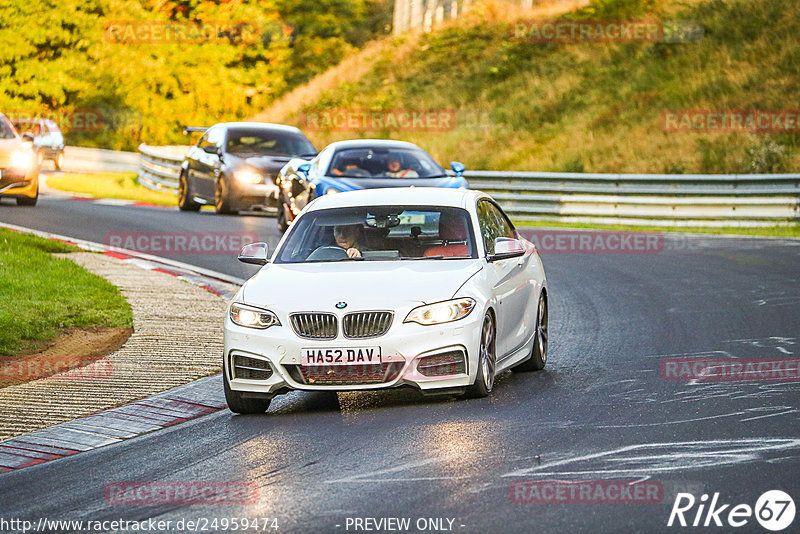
(283,224)
(487,360)
(538,358)
(59,161)
(238,404)
(28,201)
(185,202)
(222,198)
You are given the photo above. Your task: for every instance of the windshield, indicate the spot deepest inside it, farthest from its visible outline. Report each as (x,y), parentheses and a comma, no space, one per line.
(379,233)
(6,130)
(384,163)
(264,142)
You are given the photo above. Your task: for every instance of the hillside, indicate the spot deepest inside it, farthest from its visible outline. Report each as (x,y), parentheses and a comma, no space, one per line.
(581,106)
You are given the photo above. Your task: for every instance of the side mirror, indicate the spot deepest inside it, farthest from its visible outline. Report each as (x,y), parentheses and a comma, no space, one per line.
(506,247)
(254,253)
(305,168)
(27,137)
(457,167)
(211,149)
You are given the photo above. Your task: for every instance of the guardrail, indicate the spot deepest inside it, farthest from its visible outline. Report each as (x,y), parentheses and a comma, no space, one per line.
(640,199)
(159,167)
(645,199)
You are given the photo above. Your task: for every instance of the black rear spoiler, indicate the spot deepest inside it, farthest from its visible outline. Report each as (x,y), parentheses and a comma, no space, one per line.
(189,129)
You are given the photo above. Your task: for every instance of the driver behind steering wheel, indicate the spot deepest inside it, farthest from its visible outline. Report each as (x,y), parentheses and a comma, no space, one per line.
(347,237)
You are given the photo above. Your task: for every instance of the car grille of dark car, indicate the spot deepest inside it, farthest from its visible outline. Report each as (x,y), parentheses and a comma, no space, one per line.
(314,325)
(250,368)
(345,375)
(362,325)
(446,363)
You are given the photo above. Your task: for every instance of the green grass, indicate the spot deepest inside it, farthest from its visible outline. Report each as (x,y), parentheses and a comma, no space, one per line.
(791,230)
(593,107)
(42,295)
(111,185)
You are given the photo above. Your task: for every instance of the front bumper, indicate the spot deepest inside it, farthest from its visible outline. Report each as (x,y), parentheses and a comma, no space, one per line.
(249,196)
(18,183)
(402,347)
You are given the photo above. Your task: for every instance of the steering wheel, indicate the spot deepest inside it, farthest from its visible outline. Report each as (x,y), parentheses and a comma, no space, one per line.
(328,252)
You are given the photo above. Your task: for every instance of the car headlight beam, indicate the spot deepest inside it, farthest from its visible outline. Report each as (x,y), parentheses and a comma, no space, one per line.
(21,160)
(441,312)
(248,176)
(252,317)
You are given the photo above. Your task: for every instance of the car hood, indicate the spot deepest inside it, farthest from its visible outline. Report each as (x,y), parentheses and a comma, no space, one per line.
(271,164)
(363,285)
(376,183)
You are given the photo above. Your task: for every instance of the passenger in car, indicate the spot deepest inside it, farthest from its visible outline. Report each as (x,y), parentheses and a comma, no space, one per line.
(395,169)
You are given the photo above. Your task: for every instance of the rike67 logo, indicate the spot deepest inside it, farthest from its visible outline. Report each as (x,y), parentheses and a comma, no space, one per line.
(774,511)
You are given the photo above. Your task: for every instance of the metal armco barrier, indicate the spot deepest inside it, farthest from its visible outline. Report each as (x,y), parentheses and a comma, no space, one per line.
(645,199)
(642,199)
(159,167)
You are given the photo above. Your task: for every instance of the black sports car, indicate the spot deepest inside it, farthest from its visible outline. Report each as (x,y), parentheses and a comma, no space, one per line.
(235,166)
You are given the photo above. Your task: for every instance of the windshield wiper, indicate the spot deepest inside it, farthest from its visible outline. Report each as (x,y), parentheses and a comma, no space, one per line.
(437,257)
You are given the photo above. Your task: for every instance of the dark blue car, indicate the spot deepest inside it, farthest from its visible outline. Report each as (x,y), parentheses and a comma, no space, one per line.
(359,164)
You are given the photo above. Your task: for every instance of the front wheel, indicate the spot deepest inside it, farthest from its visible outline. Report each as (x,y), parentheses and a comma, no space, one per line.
(237,403)
(487,360)
(538,358)
(59,161)
(185,202)
(222,198)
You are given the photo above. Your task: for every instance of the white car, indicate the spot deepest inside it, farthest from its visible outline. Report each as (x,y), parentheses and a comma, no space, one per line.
(424,287)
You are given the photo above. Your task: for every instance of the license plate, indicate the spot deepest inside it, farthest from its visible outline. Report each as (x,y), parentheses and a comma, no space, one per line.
(341,356)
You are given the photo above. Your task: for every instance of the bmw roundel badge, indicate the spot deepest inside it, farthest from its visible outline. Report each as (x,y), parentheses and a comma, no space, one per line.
(341,305)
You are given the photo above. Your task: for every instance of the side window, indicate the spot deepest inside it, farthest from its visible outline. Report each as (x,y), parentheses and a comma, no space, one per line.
(487,224)
(494,224)
(203,142)
(214,136)
(503,225)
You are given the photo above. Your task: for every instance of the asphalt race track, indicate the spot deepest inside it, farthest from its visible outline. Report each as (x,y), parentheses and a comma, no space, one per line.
(602,410)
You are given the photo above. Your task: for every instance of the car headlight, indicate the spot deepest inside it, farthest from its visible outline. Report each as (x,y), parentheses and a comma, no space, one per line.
(21,160)
(441,312)
(331,191)
(248,176)
(252,317)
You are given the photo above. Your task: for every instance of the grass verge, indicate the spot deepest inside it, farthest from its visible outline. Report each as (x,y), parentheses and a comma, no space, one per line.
(43,295)
(120,185)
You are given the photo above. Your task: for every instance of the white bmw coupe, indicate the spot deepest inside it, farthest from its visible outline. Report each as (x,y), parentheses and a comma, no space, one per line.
(423,287)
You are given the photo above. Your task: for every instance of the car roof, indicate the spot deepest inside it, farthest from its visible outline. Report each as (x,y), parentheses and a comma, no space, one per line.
(400,196)
(368,143)
(260,125)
